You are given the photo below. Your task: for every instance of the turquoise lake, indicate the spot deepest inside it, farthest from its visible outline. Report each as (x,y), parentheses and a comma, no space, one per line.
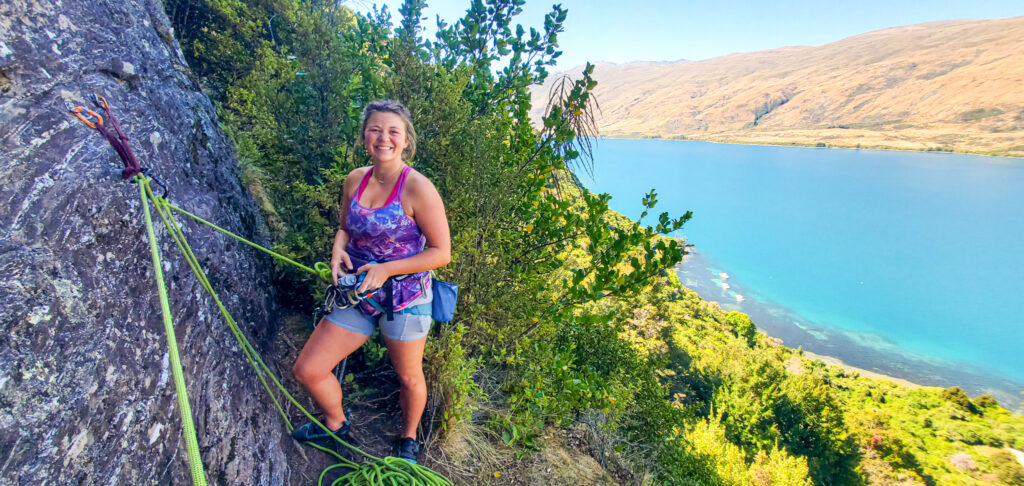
(905,263)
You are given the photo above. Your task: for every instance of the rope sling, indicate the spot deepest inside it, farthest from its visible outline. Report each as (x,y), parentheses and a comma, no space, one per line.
(372,471)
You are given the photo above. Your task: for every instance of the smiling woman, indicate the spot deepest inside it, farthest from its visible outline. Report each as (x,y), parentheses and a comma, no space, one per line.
(387,128)
(393,224)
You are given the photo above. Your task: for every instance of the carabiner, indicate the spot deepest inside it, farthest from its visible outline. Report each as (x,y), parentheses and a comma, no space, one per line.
(88,117)
(330,298)
(146,171)
(99,101)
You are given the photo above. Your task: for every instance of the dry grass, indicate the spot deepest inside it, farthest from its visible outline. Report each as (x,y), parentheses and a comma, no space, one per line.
(951,86)
(472,454)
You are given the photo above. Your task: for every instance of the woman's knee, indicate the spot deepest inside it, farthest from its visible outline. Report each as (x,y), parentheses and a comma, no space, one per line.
(412,380)
(306,373)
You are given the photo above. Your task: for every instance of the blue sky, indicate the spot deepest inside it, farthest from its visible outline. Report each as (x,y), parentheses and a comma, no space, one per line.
(606,30)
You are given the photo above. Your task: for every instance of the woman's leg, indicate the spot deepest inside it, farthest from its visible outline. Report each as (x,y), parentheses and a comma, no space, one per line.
(407,357)
(328,345)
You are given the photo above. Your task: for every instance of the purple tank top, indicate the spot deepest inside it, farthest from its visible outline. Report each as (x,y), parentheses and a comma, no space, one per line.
(384,234)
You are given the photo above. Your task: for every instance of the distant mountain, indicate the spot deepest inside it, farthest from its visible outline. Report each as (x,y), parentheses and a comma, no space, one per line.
(954,85)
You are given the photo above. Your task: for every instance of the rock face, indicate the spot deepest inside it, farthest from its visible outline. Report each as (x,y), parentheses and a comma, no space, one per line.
(86,395)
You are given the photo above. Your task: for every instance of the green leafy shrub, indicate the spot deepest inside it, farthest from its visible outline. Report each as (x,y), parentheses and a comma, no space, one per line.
(986,401)
(959,399)
(453,389)
(1007,469)
(743,327)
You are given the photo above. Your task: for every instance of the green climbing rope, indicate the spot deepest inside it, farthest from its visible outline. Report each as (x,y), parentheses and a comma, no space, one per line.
(321,269)
(195,462)
(373,471)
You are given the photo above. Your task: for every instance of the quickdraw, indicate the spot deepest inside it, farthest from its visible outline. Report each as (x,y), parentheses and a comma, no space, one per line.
(117,139)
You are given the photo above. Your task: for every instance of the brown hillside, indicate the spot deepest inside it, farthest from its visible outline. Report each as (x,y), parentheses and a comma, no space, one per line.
(956,85)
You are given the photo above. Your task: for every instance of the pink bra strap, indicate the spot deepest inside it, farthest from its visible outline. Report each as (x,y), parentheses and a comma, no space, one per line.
(400,185)
(362,185)
(395,193)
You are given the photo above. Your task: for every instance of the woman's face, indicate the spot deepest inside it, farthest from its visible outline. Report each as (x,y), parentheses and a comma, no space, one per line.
(385,136)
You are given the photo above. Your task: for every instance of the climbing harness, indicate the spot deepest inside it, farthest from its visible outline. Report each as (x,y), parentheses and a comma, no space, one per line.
(387,306)
(372,471)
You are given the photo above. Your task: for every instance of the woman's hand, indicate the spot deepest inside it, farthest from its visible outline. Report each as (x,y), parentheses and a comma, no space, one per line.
(338,259)
(376,275)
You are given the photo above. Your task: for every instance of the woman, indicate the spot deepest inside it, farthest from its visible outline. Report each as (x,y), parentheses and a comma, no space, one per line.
(393,224)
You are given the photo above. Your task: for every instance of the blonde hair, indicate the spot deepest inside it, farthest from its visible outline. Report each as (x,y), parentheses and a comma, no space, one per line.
(391,106)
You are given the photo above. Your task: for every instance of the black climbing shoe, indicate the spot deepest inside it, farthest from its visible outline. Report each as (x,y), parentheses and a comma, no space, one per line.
(406,448)
(310,432)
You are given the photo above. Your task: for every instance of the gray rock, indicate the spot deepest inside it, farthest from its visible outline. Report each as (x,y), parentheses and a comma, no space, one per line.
(86,395)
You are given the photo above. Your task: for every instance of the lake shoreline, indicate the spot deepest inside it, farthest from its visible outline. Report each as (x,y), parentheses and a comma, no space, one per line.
(832,360)
(831,144)
(870,357)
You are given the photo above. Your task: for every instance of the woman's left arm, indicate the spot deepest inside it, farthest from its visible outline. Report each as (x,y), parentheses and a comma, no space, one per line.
(428,212)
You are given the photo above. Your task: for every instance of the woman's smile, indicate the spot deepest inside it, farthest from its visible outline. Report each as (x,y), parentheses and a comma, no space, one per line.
(385,136)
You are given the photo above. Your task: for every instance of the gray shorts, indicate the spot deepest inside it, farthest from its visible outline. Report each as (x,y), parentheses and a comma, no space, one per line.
(410,324)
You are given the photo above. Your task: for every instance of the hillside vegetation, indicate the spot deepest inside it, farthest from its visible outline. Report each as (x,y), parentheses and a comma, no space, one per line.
(576,356)
(949,86)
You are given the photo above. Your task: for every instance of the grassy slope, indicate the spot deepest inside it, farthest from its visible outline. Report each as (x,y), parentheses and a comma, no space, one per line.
(903,433)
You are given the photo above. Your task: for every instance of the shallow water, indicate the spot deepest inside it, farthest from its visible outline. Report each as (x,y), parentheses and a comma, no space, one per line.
(905,263)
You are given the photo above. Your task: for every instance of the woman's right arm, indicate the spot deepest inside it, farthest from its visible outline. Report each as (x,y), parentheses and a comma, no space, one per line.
(340,260)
